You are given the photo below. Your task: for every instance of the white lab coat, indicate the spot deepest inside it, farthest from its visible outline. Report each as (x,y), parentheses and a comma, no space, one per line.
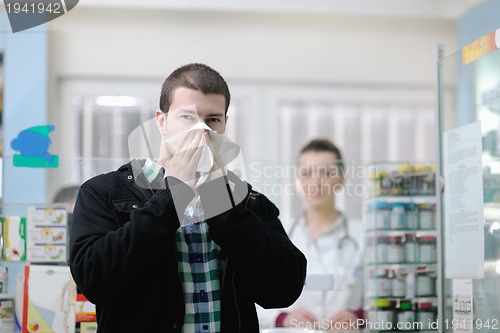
(339,271)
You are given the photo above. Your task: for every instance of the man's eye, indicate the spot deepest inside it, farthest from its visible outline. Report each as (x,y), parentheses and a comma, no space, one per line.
(185,116)
(213,120)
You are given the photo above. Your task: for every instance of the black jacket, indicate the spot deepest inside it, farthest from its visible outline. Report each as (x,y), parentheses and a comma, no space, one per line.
(122,255)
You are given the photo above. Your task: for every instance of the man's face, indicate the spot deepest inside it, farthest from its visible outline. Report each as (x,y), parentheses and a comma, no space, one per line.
(190,107)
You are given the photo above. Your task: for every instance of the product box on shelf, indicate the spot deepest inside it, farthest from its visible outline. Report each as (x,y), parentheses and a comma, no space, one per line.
(1,239)
(4,280)
(14,238)
(88,327)
(85,310)
(85,314)
(49,299)
(46,234)
(6,313)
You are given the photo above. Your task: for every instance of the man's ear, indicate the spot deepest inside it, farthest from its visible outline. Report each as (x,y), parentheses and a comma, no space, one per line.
(161,119)
(225,124)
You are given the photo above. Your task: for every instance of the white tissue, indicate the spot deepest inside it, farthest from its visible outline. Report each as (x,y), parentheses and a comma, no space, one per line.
(207,156)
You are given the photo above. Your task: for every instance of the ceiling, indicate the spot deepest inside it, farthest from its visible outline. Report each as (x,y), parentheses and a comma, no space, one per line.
(436,9)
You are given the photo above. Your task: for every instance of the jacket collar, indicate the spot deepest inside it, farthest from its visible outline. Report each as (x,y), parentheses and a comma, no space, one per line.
(131,173)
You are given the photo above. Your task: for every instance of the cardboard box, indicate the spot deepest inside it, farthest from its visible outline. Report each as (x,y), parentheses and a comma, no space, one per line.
(49,300)
(6,313)
(14,231)
(88,327)
(47,229)
(85,311)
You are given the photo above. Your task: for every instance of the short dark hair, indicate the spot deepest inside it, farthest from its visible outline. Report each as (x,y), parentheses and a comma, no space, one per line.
(197,77)
(324,145)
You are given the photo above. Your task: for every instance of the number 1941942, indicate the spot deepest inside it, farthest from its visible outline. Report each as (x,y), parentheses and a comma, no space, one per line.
(465,324)
(34,8)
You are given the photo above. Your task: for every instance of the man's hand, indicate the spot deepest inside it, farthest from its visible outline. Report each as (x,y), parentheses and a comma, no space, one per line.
(183,163)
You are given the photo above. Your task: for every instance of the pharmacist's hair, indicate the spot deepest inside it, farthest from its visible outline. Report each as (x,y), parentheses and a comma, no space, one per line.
(323,145)
(194,76)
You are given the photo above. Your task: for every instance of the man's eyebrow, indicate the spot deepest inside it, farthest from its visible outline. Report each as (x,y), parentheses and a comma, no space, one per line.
(216,114)
(187,111)
(194,112)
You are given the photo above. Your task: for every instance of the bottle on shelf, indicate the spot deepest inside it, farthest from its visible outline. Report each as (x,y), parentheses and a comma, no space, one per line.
(425,282)
(427,251)
(395,250)
(426,216)
(398,216)
(379,283)
(405,316)
(411,215)
(410,248)
(426,315)
(398,283)
(381,315)
(378,215)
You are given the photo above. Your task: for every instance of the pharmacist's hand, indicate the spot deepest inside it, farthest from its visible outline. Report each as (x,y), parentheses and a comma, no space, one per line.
(183,163)
(300,318)
(345,320)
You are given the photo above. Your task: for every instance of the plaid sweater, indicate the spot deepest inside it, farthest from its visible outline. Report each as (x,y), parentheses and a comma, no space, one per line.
(200,263)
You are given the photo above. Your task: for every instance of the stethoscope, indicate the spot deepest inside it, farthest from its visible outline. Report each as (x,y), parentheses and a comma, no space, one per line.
(343,241)
(347,247)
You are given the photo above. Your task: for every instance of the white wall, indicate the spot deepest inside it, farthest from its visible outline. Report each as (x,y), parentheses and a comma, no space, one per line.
(287,47)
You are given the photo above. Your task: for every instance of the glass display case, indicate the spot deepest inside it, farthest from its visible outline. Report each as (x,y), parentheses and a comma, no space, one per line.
(469,93)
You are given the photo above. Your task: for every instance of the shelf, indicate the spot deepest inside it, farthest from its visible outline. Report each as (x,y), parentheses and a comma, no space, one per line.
(431,198)
(412,267)
(374,231)
(415,299)
(387,225)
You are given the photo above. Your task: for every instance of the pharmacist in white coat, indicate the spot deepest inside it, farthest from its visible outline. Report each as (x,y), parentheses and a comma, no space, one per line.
(332,243)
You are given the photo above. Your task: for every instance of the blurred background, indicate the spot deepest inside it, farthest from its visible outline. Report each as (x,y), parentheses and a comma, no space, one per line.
(363,73)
